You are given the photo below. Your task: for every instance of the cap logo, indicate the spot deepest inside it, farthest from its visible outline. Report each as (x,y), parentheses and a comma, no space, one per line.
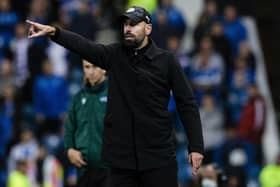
(130,10)
(148,19)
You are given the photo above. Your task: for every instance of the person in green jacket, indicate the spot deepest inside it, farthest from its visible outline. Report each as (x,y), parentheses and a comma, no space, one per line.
(84,128)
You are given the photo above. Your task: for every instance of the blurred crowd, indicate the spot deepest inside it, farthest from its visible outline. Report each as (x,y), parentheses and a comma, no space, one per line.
(38,79)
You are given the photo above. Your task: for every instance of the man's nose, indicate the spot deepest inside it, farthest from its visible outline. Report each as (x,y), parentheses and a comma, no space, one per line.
(127,28)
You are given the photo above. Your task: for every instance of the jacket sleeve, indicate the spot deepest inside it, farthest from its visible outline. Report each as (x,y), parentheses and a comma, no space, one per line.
(69,127)
(97,54)
(186,106)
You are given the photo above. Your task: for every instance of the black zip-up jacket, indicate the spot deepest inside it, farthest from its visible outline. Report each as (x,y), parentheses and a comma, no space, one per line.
(137,126)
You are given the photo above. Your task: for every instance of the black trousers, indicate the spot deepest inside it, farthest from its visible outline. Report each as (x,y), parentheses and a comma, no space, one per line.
(162,177)
(98,177)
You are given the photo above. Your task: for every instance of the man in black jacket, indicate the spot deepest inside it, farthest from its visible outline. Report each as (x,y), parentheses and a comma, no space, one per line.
(138,138)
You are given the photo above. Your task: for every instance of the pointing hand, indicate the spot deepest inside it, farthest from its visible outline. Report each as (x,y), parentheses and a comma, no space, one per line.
(37,29)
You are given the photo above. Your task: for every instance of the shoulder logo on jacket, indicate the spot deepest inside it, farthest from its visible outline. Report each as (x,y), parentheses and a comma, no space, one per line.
(103,99)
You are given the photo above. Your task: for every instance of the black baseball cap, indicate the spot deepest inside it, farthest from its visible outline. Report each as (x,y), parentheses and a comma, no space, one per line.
(137,14)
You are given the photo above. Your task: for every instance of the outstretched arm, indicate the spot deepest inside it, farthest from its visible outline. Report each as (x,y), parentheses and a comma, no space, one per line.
(96,53)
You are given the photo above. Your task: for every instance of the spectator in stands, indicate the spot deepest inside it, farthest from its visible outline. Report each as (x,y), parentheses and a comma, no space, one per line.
(270,174)
(201,29)
(7,76)
(174,17)
(25,149)
(221,43)
(211,10)
(237,157)
(9,100)
(207,70)
(209,176)
(212,120)
(36,56)
(173,45)
(52,151)
(108,10)
(83,21)
(58,57)
(8,20)
(5,138)
(11,107)
(212,176)
(161,30)
(38,11)
(19,177)
(167,20)
(240,77)
(49,169)
(246,53)
(50,101)
(19,48)
(21,8)
(253,118)
(207,16)
(234,30)
(68,8)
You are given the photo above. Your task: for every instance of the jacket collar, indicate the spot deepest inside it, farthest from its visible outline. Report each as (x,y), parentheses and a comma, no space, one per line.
(152,50)
(98,87)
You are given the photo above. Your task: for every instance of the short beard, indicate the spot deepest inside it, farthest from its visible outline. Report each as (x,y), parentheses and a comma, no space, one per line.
(133,43)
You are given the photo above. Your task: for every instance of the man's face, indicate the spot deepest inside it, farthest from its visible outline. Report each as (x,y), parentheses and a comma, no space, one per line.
(135,33)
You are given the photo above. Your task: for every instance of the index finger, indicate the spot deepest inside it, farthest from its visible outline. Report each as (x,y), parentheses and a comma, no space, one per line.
(32,23)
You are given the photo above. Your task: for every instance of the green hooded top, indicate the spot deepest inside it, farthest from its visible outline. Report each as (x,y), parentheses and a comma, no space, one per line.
(84,126)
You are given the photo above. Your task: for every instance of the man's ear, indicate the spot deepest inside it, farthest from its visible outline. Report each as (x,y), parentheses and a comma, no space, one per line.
(148,29)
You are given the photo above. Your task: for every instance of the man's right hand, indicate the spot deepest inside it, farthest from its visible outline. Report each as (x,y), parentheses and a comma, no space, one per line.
(75,157)
(195,160)
(37,29)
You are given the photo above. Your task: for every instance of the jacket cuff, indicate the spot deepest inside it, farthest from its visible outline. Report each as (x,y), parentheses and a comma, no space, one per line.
(56,33)
(196,149)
